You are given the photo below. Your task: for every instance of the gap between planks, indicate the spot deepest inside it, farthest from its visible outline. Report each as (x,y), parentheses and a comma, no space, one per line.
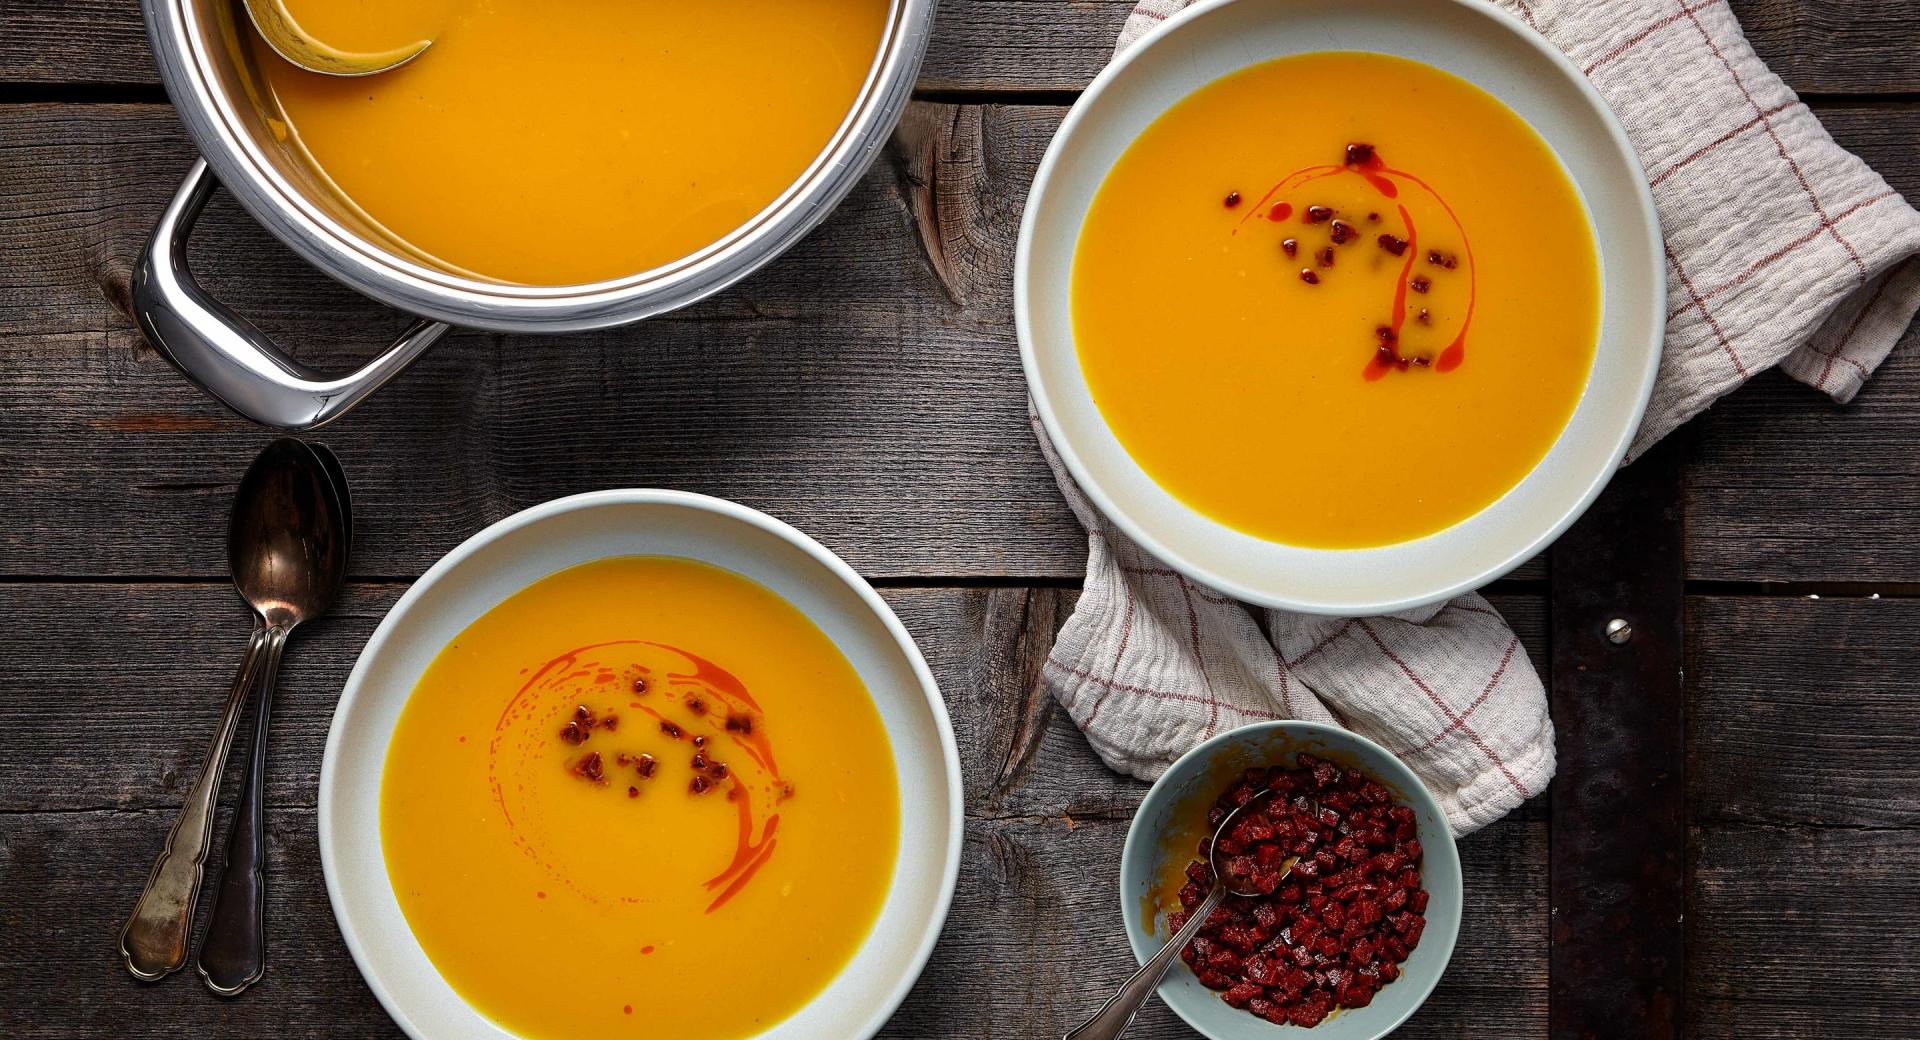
(155,94)
(1704,588)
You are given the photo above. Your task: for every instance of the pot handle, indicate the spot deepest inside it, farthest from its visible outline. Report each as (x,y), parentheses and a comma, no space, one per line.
(224,353)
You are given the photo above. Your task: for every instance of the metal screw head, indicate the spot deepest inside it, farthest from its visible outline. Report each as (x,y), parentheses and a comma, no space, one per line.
(1619,630)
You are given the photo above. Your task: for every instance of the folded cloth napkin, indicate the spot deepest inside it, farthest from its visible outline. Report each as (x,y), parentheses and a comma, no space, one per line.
(1782,249)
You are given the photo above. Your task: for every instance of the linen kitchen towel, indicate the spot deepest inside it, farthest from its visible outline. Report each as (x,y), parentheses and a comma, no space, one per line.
(1782,249)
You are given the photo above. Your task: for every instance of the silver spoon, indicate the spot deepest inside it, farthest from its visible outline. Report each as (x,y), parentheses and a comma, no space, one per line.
(1117,1013)
(277,26)
(286,545)
(233,955)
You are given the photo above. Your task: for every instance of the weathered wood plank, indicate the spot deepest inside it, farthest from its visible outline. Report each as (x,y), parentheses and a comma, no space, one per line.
(1804,711)
(114,689)
(1032,943)
(98,741)
(1799,712)
(1783,484)
(1049,890)
(1804,787)
(1835,46)
(74,41)
(1849,46)
(866,386)
(857,387)
(1799,932)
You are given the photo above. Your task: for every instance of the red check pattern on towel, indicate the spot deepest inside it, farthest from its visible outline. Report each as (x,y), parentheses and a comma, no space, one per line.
(1782,249)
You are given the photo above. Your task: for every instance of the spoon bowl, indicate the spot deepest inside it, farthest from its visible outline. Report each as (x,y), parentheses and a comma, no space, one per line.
(287,536)
(277,26)
(1223,880)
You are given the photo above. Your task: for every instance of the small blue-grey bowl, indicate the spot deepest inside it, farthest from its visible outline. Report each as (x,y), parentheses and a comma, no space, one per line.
(1172,819)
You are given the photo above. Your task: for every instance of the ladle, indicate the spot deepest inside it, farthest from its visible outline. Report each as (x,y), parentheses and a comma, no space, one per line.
(277,26)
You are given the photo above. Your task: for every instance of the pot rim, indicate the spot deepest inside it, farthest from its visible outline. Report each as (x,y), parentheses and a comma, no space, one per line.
(217,124)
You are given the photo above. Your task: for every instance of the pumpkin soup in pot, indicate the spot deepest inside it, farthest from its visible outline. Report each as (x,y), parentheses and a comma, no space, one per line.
(643,796)
(560,142)
(1337,300)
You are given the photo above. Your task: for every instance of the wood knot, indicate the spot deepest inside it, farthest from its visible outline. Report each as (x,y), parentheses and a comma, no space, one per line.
(116,284)
(944,179)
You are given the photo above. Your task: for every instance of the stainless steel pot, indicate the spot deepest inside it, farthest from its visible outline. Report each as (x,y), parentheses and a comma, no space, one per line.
(208,74)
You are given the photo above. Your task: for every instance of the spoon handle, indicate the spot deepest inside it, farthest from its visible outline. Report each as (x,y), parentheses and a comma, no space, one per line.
(154,941)
(234,953)
(1117,1013)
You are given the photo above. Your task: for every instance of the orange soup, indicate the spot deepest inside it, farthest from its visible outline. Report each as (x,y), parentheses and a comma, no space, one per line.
(554,142)
(1337,300)
(641,797)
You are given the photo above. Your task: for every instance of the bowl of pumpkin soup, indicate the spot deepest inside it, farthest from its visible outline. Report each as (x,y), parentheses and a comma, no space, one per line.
(640,762)
(1343,308)
(543,165)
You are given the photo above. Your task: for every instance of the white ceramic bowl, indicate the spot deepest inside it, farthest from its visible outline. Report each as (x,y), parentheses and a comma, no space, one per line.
(530,545)
(1188,788)
(1473,40)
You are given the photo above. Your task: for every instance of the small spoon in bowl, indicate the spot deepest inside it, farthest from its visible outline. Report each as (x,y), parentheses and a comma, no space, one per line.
(277,26)
(1117,1013)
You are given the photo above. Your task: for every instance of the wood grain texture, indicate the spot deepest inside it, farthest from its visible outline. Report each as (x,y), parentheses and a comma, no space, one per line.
(866,386)
(1804,785)
(1799,932)
(116,715)
(1031,946)
(80,820)
(1853,46)
(1805,712)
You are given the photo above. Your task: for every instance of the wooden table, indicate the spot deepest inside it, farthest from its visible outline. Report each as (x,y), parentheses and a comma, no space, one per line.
(866,387)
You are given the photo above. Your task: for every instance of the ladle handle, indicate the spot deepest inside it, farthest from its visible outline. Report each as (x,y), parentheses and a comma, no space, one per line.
(154,941)
(233,955)
(224,353)
(1117,1013)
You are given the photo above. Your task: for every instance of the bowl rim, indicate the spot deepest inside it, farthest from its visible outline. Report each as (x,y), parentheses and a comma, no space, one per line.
(929,688)
(1082,475)
(1334,736)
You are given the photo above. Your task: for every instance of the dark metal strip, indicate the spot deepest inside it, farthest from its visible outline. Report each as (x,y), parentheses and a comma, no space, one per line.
(1618,839)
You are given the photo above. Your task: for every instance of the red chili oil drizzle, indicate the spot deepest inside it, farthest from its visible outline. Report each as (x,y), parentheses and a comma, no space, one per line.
(1365,162)
(748,855)
(1317,172)
(1456,351)
(1380,365)
(727,707)
(1374,170)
